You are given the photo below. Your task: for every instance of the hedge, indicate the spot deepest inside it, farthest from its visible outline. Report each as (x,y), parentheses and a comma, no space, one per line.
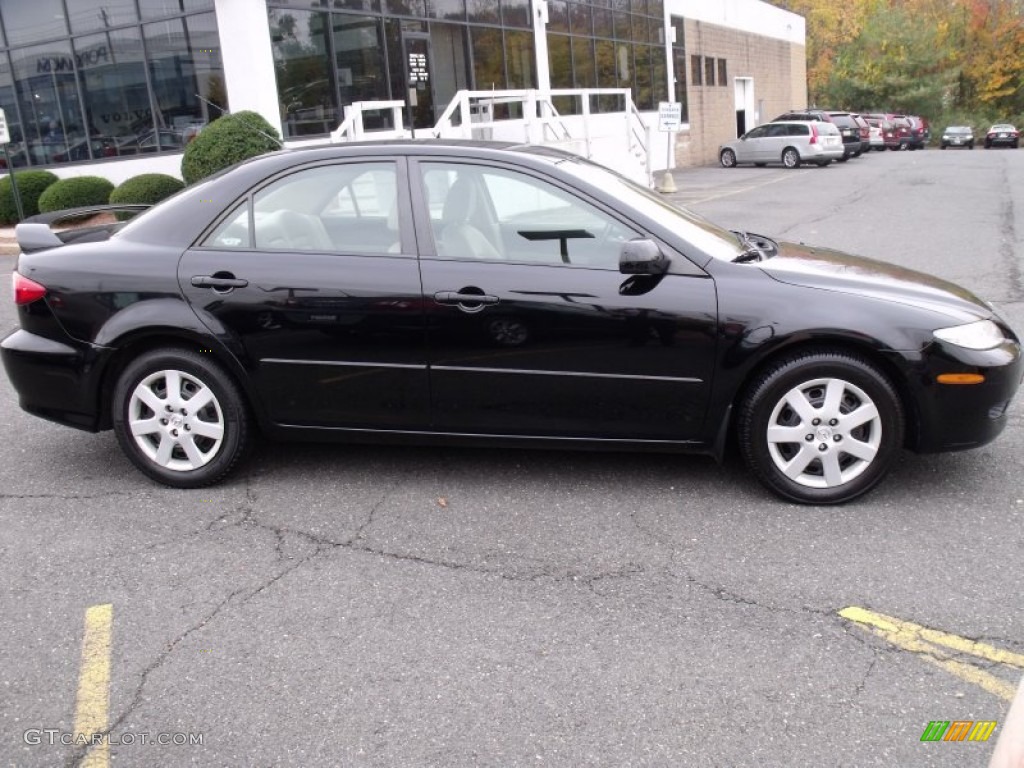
(31,184)
(228,140)
(75,192)
(145,188)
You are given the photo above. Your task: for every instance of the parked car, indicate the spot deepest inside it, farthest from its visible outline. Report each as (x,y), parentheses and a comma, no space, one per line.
(888,128)
(848,129)
(789,143)
(865,132)
(958,136)
(876,132)
(1002,134)
(325,297)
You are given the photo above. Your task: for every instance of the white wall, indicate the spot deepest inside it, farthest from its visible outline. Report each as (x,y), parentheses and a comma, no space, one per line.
(753,16)
(119,170)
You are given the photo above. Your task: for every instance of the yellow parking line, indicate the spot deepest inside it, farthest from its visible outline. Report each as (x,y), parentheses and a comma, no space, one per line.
(935,646)
(93,705)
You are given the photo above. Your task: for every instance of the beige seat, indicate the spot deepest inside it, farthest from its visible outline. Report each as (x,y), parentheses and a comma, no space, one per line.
(460,235)
(292,231)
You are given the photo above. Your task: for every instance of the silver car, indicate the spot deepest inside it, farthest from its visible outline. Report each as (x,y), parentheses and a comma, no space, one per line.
(786,141)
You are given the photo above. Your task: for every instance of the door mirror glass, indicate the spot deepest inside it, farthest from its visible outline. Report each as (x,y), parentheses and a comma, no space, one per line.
(642,257)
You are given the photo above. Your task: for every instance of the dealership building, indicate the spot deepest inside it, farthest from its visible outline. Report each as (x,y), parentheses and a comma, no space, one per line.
(117,87)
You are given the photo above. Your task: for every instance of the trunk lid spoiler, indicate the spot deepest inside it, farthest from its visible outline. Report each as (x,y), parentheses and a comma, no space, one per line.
(34,234)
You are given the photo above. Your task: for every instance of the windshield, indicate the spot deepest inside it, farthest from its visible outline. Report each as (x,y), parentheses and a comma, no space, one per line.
(708,237)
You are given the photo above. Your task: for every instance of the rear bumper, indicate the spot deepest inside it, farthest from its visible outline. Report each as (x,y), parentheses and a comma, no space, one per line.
(56,381)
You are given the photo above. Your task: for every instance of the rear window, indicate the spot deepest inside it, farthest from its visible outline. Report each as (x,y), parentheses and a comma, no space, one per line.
(828,129)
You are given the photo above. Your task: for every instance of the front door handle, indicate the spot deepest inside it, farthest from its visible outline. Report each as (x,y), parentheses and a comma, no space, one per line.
(457,297)
(219,281)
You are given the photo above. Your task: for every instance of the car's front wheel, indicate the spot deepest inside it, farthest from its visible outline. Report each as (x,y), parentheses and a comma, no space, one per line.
(821,427)
(727,158)
(180,418)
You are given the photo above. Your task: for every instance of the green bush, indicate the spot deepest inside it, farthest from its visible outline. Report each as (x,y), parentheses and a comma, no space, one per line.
(146,188)
(226,141)
(74,193)
(31,184)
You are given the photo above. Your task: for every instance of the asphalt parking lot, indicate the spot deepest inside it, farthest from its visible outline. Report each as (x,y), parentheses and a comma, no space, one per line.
(351,606)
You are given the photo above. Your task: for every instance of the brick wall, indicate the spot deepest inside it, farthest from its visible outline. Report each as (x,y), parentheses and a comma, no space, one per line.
(778,82)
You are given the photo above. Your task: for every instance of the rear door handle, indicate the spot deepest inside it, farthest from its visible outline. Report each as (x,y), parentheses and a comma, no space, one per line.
(218,283)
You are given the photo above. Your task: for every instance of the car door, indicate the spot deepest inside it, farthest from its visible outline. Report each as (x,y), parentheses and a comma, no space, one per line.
(312,281)
(749,149)
(532,329)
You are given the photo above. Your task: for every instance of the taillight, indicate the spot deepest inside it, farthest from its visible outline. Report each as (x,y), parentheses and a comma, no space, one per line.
(26,291)
(814,134)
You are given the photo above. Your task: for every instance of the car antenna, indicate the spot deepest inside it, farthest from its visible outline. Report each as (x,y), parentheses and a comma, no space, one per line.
(228,112)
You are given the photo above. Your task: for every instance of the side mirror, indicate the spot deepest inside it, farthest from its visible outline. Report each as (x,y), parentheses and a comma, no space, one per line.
(642,257)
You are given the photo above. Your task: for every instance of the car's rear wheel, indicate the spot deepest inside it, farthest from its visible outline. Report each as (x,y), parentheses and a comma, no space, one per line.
(727,158)
(790,158)
(821,427)
(180,418)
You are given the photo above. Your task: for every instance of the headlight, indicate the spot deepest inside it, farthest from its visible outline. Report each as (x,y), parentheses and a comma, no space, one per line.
(984,334)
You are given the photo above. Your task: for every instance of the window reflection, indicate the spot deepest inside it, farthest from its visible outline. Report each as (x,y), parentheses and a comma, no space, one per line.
(28,21)
(88,97)
(187,78)
(302,65)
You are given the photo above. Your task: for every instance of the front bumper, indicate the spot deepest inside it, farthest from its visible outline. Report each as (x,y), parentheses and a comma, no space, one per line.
(54,380)
(955,417)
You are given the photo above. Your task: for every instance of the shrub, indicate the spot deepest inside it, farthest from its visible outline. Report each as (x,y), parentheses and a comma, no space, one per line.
(31,184)
(226,141)
(146,188)
(74,193)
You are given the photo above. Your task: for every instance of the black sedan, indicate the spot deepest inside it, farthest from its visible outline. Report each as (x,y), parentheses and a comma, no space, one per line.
(483,293)
(1002,135)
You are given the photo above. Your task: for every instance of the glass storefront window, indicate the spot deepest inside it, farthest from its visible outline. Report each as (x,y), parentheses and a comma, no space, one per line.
(90,17)
(359,58)
(450,10)
(302,65)
(483,11)
(29,21)
(118,114)
(155,9)
(519,55)
(187,77)
(488,59)
(8,99)
(48,97)
(515,13)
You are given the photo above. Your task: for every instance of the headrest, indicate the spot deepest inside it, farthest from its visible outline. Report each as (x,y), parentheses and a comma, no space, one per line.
(460,204)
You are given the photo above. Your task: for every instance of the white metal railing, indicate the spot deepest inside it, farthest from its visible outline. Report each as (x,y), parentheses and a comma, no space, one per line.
(352,128)
(533,119)
(471,115)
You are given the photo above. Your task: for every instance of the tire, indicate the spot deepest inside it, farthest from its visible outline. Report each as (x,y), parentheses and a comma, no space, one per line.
(943,146)
(195,447)
(842,159)
(811,382)
(970,146)
(727,158)
(904,146)
(790,158)
(823,163)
